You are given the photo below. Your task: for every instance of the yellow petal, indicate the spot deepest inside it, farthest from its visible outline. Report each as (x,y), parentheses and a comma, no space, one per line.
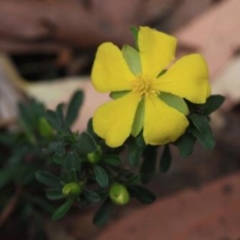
(187,78)
(113,120)
(157,50)
(110,71)
(162,124)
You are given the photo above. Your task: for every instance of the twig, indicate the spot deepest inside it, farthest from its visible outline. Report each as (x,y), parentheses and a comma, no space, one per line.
(10,206)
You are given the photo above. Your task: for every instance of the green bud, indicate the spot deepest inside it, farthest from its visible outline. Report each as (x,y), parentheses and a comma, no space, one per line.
(119,194)
(45,129)
(96,156)
(71,190)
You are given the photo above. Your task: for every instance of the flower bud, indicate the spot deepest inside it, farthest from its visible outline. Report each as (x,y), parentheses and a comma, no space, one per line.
(96,156)
(119,194)
(45,129)
(71,190)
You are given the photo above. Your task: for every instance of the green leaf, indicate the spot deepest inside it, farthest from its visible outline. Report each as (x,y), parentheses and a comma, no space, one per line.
(101,176)
(74,107)
(25,116)
(134,179)
(29,115)
(212,104)
(56,120)
(134,153)
(60,150)
(138,119)
(58,159)
(90,129)
(135,31)
(48,179)
(52,118)
(116,95)
(54,194)
(175,102)
(91,196)
(62,210)
(202,130)
(186,144)
(140,141)
(166,159)
(6,175)
(132,58)
(86,143)
(72,162)
(112,160)
(59,112)
(26,121)
(149,164)
(51,148)
(142,194)
(103,213)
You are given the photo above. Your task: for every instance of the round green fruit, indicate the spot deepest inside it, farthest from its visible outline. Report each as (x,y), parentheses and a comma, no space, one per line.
(119,194)
(72,190)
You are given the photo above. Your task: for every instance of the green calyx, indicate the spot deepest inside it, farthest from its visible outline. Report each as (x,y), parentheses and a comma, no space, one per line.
(95,157)
(174,102)
(119,194)
(72,190)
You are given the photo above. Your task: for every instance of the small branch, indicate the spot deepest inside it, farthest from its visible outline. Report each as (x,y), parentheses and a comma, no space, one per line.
(10,206)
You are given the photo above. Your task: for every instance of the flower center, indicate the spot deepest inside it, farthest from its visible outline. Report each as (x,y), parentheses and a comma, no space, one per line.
(144,86)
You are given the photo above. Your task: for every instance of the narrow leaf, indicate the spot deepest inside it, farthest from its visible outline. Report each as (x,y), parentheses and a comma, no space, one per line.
(59,112)
(186,144)
(72,162)
(101,176)
(74,107)
(112,160)
(90,129)
(149,164)
(58,159)
(52,118)
(142,194)
(212,104)
(134,153)
(202,130)
(48,179)
(25,115)
(54,194)
(103,213)
(56,120)
(86,143)
(140,141)
(62,210)
(134,179)
(60,150)
(166,159)
(91,196)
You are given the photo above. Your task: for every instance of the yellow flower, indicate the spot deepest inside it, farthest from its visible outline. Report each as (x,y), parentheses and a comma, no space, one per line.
(136,76)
